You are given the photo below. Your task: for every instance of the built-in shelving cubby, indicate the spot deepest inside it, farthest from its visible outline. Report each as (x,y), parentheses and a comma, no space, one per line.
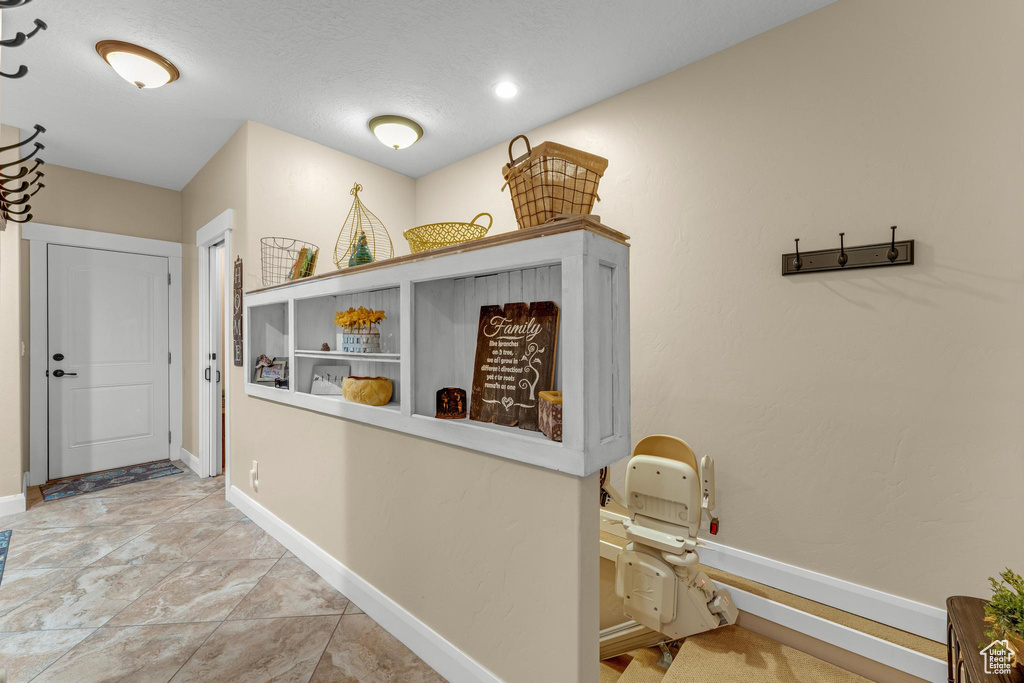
(433,302)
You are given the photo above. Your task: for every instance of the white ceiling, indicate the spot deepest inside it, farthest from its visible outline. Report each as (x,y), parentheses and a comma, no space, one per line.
(322,68)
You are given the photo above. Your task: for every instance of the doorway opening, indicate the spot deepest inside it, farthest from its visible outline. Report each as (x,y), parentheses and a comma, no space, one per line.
(213,242)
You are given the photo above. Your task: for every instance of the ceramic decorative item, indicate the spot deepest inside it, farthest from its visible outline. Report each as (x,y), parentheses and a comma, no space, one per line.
(551,414)
(325,347)
(363,238)
(371,391)
(451,404)
(360,331)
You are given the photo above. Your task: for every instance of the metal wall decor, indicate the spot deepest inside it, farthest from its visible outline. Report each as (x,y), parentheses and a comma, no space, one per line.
(891,253)
(363,237)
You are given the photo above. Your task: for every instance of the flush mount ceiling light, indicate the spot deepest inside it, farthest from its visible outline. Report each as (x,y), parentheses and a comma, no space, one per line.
(396,131)
(141,67)
(506,89)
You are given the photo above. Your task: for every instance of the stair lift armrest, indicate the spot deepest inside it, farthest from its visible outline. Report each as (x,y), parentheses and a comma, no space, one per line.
(657,539)
(707,478)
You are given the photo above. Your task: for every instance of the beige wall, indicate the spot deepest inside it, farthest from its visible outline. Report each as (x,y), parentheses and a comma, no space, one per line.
(13,372)
(219,185)
(442,531)
(866,424)
(89,201)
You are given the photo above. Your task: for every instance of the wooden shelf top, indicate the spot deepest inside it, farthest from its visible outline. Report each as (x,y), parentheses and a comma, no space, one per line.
(589,223)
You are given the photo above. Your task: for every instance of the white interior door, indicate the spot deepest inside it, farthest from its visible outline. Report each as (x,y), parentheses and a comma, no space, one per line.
(215,375)
(108,359)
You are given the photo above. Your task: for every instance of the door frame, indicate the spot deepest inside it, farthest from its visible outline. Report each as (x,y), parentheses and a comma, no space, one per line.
(40,236)
(216,231)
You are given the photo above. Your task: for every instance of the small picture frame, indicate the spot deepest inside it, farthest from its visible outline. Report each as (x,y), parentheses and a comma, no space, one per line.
(275,373)
(327,379)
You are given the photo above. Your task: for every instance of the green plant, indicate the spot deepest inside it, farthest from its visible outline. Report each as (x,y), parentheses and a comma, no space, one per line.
(1005,611)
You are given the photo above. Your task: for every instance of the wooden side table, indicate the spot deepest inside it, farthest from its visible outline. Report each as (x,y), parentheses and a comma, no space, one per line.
(965,635)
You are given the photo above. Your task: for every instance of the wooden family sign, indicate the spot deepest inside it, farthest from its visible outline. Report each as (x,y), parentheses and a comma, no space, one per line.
(515,360)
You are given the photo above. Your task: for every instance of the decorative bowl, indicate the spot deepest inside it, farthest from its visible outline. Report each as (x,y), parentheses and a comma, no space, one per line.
(371,391)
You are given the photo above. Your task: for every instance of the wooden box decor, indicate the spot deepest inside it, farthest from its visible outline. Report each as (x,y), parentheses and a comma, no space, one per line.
(360,333)
(437,235)
(551,180)
(551,414)
(363,238)
(515,360)
(371,391)
(451,403)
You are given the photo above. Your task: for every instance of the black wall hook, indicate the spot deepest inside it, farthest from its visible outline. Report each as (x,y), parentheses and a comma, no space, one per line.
(798,262)
(15,202)
(39,129)
(22,37)
(893,251)
(8,210)
(11,4)
(27,157)
(21,72)
(17,190)
(843,258)
(25,170)
(35,191)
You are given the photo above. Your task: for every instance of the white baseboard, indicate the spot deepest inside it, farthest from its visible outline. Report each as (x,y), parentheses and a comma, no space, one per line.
(10,505)
(190,460)
(906,615)
(430,646)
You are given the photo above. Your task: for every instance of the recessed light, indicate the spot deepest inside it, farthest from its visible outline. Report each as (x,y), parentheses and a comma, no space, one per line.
(396,131)
(141,67)
(506,89)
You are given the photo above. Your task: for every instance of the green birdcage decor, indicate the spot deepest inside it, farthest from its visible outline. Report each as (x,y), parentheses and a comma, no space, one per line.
(363,238)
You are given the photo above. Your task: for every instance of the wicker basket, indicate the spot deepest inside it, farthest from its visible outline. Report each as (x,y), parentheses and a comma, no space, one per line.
(437,235)
(280,259)
(552,179)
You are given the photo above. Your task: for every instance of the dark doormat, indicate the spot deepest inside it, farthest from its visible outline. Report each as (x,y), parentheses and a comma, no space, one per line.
(97,481)
(5,541)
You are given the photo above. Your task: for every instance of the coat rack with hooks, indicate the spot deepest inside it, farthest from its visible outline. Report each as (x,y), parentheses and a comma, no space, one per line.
(15,195)
(891,253)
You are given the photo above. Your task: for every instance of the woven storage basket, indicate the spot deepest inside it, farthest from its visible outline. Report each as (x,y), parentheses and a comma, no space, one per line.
(551,179)
(437,235)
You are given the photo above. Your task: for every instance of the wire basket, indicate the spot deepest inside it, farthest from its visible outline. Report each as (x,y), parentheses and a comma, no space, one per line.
(437,235)
(552,179)
(285,259)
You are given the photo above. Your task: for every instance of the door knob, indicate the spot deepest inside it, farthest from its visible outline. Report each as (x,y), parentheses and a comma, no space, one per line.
(60,373)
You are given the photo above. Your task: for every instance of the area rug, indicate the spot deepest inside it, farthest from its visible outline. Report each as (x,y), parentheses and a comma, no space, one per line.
(5,540)
(97,481)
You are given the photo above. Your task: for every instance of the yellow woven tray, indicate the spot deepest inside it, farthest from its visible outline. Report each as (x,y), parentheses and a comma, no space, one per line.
(436,235)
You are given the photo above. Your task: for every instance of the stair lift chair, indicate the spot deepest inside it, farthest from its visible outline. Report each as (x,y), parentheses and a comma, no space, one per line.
(656,574)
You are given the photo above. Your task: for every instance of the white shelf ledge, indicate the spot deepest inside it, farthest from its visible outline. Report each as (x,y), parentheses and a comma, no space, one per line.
(433,302)
(364,357)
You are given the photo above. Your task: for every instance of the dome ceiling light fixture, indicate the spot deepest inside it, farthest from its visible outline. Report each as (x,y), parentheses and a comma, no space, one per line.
(141,67)
(396,131)
(506,90)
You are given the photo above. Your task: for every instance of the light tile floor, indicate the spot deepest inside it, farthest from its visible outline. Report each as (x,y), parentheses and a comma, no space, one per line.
(164,580)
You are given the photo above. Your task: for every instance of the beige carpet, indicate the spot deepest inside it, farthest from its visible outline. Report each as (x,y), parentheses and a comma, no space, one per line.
(736,655)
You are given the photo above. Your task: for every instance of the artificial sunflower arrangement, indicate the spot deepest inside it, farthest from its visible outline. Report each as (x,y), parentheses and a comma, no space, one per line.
(355,319)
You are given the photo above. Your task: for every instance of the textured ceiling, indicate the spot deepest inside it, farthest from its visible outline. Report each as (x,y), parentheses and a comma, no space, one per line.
(322,68)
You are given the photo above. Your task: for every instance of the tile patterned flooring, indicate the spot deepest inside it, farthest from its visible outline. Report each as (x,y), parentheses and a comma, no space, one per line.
(164,580)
